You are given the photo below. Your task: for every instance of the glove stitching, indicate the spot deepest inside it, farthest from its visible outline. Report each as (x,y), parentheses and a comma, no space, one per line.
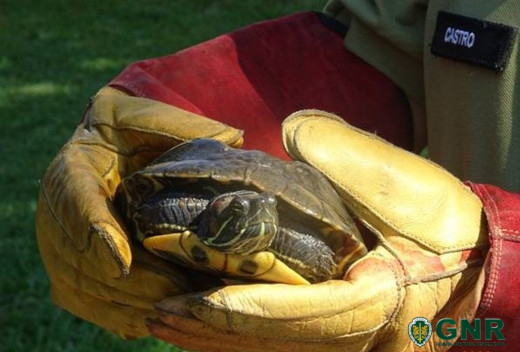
(107,238)
(47,197)
(438,276)
(402,266)
(137,150)
(428,278)
(496,252)
(224,305)
(104,290)
(389,223)
(104,235)
(65,286)
(64,231)
(106,172)
(399,290)
(95,287)
(220,131)
(512,238)
(139,129)
(108,168)
(111,148)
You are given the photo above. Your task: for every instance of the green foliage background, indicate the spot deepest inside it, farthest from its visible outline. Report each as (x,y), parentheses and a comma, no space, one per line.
(55,54)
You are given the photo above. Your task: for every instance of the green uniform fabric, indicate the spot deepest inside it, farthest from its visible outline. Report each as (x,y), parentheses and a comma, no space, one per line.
(470,114)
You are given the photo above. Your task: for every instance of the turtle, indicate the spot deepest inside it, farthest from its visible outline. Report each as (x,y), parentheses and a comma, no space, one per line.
(240,213)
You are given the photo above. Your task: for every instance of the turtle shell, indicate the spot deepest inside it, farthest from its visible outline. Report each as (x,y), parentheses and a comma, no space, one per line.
(303,194)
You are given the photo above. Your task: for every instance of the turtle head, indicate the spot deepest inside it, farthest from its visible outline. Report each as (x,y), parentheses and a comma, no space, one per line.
(241,222)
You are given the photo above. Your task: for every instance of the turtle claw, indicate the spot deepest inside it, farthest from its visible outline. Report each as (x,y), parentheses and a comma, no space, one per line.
(187,249)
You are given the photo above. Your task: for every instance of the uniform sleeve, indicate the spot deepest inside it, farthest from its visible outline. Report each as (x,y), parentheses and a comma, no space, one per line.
(387,34)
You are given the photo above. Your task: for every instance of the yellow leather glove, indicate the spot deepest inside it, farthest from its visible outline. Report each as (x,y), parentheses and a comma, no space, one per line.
(432,241)
(94,270)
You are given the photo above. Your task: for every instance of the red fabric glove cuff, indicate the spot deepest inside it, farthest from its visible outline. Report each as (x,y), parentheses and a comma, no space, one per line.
(254,77)
(501,295)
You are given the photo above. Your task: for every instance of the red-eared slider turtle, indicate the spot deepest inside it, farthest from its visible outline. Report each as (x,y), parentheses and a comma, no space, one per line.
(240,213)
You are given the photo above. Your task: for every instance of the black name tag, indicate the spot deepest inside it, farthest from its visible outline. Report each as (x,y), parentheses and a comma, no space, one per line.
(472,40)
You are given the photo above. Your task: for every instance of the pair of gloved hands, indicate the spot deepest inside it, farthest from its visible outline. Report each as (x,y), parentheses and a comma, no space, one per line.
(428,260)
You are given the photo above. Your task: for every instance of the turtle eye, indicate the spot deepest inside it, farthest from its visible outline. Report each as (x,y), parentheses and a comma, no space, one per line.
(240,206)
(219,206)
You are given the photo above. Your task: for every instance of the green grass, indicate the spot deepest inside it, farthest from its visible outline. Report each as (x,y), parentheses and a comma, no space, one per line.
(53,56)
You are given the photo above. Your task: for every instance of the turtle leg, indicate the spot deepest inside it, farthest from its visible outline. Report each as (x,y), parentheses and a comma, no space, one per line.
(305,253)
(187,249)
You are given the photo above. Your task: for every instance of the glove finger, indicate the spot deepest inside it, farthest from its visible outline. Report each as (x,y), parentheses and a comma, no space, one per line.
(149,281)
(372,176)
(141,129)
(118,135)
(227,342)
(325,311)
(179,326)
(124,320)
(184,330)
(200,340)
(75,211)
